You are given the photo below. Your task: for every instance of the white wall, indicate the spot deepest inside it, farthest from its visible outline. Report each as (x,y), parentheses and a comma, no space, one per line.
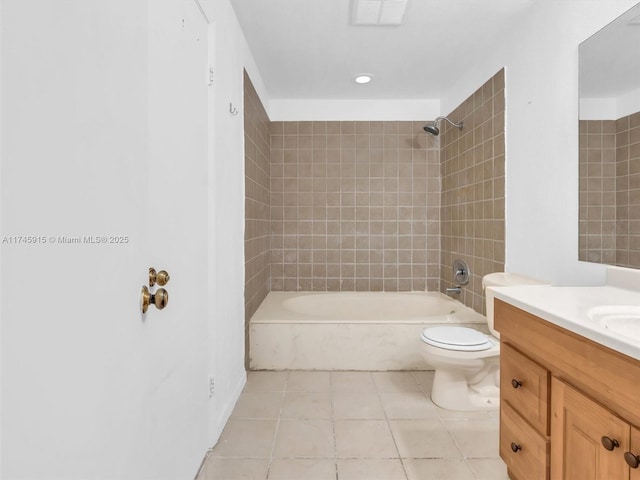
(598,109)
(541,59)
(282,110)
(629,103)
(610,108)
(226,253)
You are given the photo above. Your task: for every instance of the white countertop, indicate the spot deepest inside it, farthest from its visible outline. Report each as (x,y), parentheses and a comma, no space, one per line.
(567,307)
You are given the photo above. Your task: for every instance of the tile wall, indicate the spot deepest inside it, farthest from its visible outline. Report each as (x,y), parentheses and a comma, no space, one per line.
(354,206)
(597,170)
(473,173)
(257,249)
(628,191)
(610,191)
(372,206)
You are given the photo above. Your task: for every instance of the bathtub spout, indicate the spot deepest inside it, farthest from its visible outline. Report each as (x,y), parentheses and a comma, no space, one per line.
(454,290)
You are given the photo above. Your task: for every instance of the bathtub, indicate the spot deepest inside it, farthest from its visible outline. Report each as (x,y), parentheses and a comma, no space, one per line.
(350,330)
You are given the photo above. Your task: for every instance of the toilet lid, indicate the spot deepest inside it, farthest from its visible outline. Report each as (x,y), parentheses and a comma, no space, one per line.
(456,338)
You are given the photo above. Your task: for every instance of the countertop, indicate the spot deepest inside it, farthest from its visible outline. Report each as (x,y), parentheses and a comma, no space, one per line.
(567,307)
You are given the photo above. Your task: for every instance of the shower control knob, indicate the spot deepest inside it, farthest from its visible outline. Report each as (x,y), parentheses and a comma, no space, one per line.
(461,273)
(516,383)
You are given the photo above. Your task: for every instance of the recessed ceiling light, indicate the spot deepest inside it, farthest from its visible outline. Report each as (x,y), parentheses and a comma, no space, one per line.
(363,78)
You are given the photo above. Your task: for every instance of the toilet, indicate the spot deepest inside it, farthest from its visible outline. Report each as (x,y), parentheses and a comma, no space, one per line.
(467,361)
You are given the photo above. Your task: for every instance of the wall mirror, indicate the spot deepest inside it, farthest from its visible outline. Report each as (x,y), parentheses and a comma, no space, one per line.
(609,89)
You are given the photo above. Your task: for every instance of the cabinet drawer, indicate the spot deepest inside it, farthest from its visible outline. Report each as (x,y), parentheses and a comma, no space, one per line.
(524,450)
(525,385)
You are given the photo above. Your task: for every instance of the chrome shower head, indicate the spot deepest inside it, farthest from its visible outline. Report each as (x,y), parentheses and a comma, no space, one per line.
(432,127)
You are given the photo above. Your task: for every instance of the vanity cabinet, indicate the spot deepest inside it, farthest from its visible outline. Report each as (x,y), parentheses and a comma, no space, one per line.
(569,407)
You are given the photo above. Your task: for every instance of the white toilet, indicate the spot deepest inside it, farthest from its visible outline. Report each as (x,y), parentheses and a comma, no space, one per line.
(465,360)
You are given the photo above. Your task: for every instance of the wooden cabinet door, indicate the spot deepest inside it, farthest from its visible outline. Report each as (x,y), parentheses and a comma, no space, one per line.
(578,425)
(634,463)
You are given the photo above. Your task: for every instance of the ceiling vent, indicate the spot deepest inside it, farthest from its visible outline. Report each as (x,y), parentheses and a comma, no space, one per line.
(378,12)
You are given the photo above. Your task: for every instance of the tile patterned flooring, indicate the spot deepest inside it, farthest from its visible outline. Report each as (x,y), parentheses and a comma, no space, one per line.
(300,425)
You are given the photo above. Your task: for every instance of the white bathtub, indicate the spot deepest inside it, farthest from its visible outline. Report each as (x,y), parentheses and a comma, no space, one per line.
(350,330)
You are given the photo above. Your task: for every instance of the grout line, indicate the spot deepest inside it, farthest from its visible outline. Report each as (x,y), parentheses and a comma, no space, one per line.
(475,476)
(395,443)
(333,426)
(275,435)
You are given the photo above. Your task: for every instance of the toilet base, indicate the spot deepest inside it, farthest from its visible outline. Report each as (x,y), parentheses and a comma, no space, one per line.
(452,391)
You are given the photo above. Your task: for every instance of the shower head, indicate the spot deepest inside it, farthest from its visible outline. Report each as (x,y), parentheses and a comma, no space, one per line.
(432,127)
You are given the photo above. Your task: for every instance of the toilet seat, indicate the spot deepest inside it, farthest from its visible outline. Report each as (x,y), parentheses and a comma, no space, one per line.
(456,338)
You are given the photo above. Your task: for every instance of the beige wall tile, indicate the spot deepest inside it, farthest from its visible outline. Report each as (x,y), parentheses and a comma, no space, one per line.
(264,158)
(361,184)
(472,197)
(609,159)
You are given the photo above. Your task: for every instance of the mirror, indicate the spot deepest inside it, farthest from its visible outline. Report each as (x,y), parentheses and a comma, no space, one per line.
(609,89)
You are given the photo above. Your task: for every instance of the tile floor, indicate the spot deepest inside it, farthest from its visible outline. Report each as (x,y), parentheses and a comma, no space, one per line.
(300,425)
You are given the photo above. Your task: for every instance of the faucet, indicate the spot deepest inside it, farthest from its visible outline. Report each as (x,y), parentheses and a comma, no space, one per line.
(454,290)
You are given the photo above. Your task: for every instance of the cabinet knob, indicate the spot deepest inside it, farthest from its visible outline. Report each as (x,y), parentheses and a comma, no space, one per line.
(516,383)
(632,460)
(515,447)
(609,444)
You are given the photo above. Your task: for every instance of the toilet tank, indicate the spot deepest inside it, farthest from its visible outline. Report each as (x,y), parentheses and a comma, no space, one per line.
(503,279)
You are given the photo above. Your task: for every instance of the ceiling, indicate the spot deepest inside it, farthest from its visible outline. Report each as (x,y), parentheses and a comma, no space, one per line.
(308,49)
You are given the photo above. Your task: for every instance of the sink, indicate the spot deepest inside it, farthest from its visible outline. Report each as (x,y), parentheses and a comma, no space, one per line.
(621,319)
